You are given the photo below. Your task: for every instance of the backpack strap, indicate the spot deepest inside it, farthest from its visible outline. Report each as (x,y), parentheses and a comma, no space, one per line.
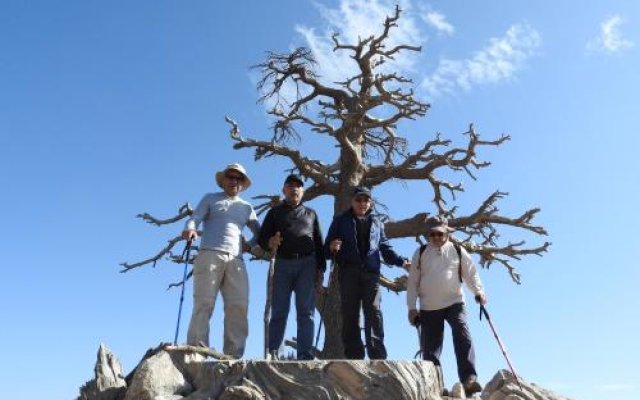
(459,251)
(422,249)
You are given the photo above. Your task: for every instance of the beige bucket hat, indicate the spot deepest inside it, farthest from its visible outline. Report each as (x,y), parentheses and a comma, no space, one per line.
(234,167)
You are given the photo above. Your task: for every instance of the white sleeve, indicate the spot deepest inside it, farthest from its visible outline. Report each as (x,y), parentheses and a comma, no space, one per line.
(470,274)
(413,281)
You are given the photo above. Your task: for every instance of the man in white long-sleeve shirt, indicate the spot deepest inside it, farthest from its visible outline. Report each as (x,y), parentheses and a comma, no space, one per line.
(219,265)
(435,278)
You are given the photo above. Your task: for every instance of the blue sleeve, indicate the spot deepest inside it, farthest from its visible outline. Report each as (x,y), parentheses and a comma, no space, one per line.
(388,254)
(321,263)
(332,234)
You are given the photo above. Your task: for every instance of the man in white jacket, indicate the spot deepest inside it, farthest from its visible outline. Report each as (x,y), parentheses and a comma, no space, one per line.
(435,277)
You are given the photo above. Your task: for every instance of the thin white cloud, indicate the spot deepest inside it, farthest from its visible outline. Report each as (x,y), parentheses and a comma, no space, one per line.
(438,21)
(497,62)
(610,39)
(614,387)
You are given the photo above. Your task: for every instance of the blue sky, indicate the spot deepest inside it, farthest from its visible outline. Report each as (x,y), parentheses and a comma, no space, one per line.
(109,109)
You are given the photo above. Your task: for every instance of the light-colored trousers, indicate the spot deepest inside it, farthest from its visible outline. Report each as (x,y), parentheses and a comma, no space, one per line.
(215,271)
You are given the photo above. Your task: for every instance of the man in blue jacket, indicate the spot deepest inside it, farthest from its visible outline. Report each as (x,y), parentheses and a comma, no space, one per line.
(356,239)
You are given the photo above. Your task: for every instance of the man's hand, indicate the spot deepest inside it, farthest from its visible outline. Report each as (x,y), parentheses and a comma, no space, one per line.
(406,265)
(334,246)
(275,241)
(257,251)
(481,298)
(190,235)
(413,317)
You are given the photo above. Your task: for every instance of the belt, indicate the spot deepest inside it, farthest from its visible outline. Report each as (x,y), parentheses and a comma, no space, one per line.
(293,256)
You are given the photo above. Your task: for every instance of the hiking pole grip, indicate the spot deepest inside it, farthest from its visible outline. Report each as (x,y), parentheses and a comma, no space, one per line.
(483,311)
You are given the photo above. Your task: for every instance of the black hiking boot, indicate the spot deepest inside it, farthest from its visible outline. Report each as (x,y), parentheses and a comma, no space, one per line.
(471,385)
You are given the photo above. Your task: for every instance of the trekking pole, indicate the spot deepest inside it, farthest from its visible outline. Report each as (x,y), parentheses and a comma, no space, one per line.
(267,306)
(186,255)
(483,310)
(419,352)
(324,301)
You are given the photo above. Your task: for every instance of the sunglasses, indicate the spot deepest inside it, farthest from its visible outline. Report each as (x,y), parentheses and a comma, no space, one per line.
(238,178)
(436,234)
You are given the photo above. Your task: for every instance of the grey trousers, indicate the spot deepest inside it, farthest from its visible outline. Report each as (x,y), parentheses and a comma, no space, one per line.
(214,272)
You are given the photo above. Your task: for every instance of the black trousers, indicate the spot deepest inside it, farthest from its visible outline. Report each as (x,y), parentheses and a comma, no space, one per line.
(432,333)
(359,288)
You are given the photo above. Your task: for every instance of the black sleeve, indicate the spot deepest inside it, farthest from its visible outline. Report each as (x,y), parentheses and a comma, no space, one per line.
(267,230)
(321,262)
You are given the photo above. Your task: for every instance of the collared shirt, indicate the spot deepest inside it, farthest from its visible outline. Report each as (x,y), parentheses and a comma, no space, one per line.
(436,282)
(223,219)
(300,231)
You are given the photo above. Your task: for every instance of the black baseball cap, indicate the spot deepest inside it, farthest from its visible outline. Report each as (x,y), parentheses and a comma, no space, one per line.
(294,178)
(361,191)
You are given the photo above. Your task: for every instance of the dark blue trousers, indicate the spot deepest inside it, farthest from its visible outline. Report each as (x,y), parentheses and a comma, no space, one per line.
(293,276)
(432,335)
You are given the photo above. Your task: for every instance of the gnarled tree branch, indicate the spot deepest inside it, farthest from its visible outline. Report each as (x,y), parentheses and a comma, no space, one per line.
(183,212)
(481,228)
(126,267)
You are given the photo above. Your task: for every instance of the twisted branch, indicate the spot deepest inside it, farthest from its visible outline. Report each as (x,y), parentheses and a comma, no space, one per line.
(202,349)
(126,267)
(481,234)
(309,168)
(183,212)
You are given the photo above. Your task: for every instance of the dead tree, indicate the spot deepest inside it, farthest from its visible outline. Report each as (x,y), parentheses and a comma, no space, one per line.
(373,152)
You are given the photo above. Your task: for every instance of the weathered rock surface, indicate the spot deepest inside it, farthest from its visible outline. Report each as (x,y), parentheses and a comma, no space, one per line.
(503,386)
(159,378)
(173,375)
(108,382)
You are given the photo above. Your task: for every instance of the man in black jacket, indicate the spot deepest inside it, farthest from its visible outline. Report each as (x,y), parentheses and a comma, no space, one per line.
(356,238)
(292,231)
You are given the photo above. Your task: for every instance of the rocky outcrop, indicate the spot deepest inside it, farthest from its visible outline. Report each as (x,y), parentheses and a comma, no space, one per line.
(159,378)
(166,374)
(109,382)
(503,386)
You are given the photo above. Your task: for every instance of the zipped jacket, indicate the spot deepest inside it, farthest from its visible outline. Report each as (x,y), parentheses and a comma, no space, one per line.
(435,277)
(300,230)
(343,227)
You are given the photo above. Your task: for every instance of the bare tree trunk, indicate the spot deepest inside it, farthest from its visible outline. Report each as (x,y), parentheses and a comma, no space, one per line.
(332,317)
